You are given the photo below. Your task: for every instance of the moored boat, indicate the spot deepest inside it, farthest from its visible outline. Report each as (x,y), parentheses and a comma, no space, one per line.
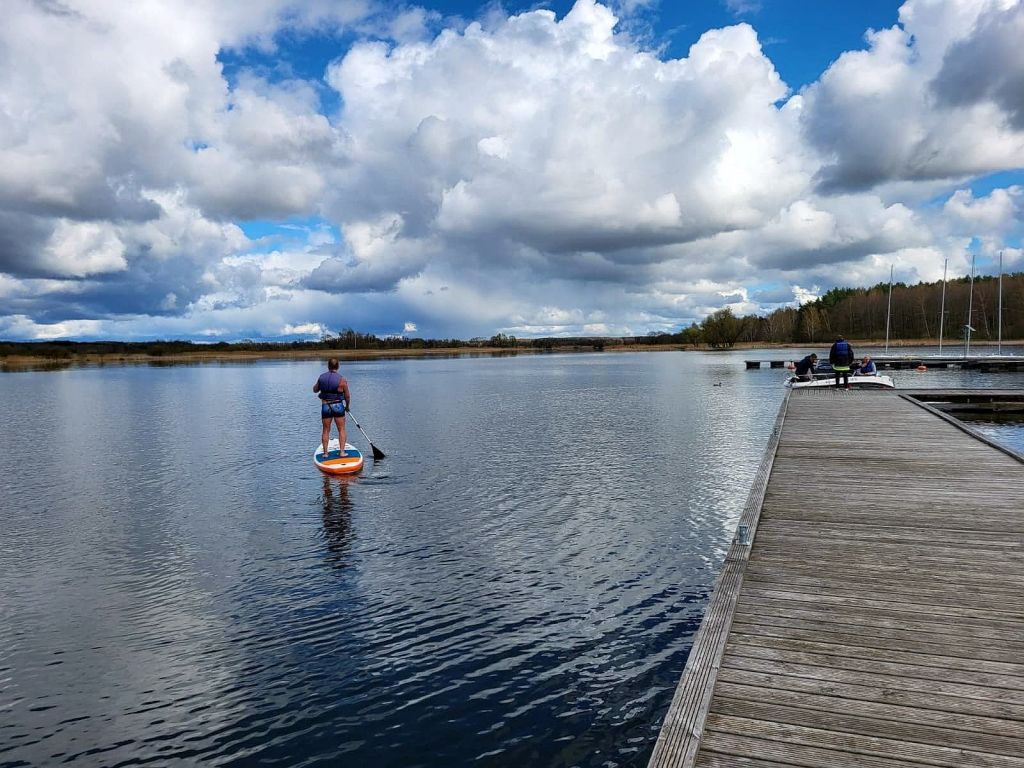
(824,381)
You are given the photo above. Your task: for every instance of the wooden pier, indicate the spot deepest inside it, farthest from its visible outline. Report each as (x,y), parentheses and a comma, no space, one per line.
(977,401)
(870,611)
(910,362)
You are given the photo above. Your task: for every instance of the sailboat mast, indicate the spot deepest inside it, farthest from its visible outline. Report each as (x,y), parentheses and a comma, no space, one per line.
(888,311)
(970,312)
(1000,343)
(942,311)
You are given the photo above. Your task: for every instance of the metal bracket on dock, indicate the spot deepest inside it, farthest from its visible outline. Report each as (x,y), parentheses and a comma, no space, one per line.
(742,535)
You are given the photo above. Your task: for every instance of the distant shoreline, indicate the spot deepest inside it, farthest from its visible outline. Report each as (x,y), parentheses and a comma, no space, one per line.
(16,362)
(88,359)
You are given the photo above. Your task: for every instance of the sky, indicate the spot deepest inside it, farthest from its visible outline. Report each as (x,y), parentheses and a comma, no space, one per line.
(285,169)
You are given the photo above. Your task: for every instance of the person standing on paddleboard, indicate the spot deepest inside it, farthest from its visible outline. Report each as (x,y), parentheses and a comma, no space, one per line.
(332,388)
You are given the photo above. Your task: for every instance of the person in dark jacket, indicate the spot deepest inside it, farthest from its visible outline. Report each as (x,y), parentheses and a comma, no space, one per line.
(841,356)
(804,370)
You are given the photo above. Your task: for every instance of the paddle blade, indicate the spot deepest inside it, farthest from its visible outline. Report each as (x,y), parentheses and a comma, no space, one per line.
(377,452)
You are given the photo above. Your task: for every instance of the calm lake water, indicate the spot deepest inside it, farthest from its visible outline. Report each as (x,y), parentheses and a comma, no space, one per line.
(518,583)
(1008,430)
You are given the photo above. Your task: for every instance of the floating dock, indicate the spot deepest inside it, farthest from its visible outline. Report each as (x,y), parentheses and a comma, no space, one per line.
(984,401)
(905,362)
(870,611)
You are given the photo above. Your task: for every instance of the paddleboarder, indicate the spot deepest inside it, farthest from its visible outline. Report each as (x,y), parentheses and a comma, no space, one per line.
(335,398)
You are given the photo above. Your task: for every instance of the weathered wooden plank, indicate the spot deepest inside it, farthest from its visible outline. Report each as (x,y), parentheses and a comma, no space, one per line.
(828,601)
(1002,667)
(881,577)
(823,686)
(911,573)
(837,548)
(789,753)
(853,619)
(857,744)
(885,640)
(786,533)
(899,713)
(1008,521)
(871,720)
(714,760)
(895,678)
(942,669)
(917,593)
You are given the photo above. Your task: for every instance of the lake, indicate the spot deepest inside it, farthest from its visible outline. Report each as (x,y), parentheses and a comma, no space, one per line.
(517,583)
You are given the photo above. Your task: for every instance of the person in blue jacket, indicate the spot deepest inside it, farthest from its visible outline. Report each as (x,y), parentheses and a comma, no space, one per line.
(867,367)
(841,356)
(332,389)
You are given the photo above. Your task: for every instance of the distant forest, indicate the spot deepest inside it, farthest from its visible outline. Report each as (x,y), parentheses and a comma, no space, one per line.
(860,313)
(857,313)
(347,340)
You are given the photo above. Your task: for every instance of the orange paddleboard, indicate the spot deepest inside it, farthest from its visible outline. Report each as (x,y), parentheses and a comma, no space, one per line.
(337,461)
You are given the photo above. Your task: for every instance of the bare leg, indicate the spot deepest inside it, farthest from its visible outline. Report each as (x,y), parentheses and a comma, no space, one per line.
(326,435)
(340,422)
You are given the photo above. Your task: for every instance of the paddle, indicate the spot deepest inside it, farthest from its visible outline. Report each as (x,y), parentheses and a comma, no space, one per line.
(377,452)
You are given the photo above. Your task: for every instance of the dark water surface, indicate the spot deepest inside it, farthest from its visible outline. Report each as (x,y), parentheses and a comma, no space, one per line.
(1007,430)
(518,583)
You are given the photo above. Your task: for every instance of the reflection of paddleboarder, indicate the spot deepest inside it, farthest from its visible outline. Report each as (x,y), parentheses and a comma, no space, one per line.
(334,399)
(337,519)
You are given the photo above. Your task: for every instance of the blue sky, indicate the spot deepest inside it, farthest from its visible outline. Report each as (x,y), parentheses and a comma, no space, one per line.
(802,38)
(282,170)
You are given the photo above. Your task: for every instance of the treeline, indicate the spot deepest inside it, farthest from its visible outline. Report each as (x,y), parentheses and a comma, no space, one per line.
(346,340)
(857,313)
(58,350)
(860,313)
